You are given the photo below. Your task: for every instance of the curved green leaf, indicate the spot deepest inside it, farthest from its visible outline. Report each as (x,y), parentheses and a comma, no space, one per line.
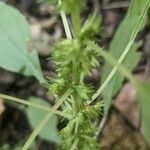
(144,99)
(49,132)
(14,35)
(123,41)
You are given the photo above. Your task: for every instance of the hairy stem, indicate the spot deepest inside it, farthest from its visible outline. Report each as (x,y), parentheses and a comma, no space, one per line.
(75,16)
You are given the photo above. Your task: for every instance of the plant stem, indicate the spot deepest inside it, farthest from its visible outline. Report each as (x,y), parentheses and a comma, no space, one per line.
(75,16)
(28,103)
(101,125)
(74,146)
(45,120)
(65,22)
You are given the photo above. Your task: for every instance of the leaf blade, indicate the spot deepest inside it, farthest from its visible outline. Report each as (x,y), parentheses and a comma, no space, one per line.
(49,132)
(15,34)
(127,31)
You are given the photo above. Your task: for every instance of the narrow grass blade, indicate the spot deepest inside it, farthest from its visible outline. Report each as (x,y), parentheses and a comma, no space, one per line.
(128,44)
(28,103)
(45,119)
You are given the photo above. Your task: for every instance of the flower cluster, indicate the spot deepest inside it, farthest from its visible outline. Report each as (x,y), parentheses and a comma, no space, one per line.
(74,60)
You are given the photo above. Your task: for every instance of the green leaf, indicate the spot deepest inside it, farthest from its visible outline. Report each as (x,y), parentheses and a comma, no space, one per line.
(124,36)
(49,132)
(144,99)
(142,87)
(5,147)
(115,84)
(14,35)
(45,119)
(91,26)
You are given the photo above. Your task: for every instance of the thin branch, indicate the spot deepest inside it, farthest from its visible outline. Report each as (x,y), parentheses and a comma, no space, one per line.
(100,127)
(65,22)
(28,103)
(45,120)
